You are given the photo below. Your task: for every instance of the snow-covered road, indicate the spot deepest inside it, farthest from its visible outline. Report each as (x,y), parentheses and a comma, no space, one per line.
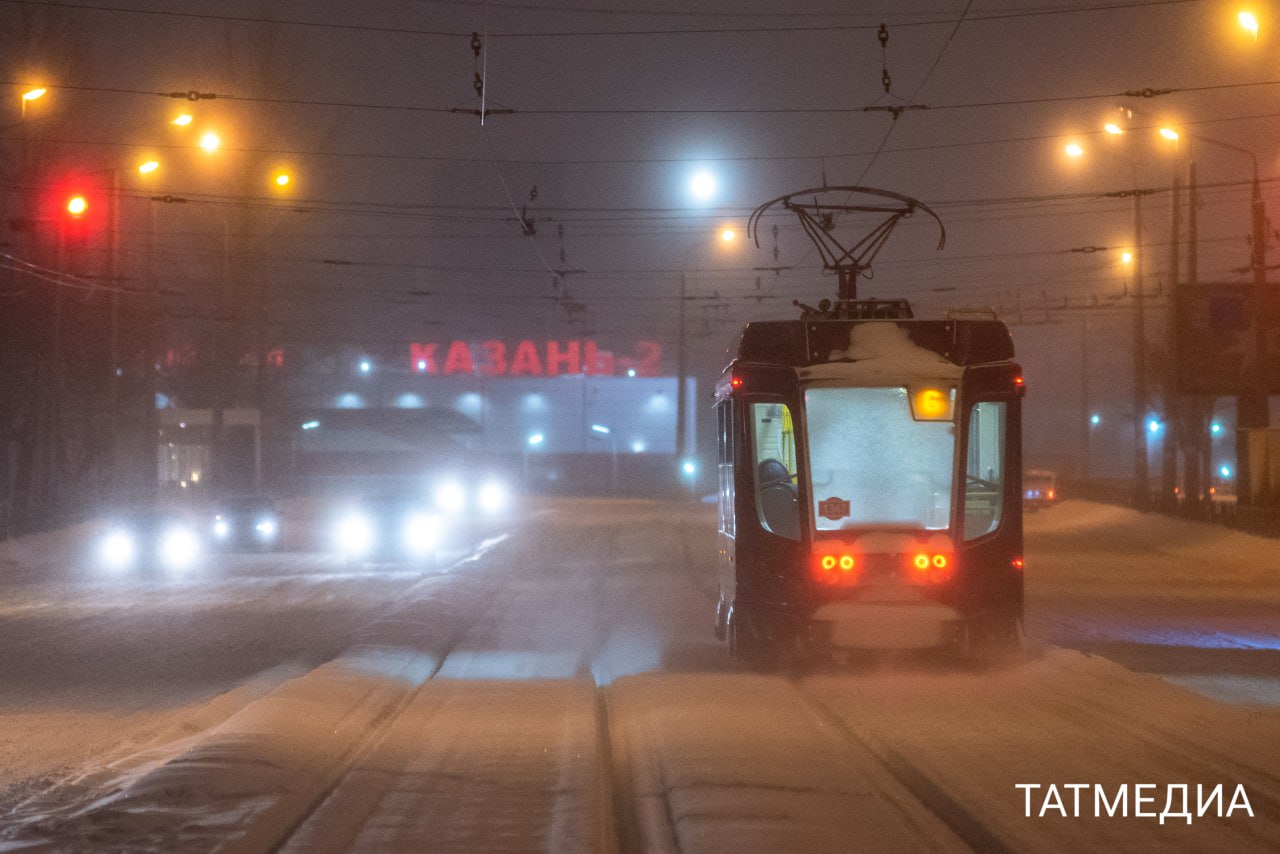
(560,691)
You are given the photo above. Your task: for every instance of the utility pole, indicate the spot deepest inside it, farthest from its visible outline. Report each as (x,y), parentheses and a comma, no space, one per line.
(681,370)
(1254,411)
(1140,477)
(1172,400)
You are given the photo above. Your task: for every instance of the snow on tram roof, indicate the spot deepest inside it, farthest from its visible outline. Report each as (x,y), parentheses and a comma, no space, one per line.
(920,347)
(882,352)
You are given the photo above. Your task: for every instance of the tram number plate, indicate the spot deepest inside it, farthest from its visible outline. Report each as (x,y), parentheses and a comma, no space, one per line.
(833,508)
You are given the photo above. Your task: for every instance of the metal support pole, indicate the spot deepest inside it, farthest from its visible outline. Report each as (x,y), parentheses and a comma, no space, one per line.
(681,370)
(1140,493)
(1172,401)
(1254,410)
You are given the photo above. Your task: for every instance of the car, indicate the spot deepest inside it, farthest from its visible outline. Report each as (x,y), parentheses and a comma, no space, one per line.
(148,541)
(478,502)
(390,526)
(246,522)
(1039,488)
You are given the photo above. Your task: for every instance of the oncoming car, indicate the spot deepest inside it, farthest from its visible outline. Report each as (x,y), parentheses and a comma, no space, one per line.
(390,526)
(473,503)
(246,522)
(148,541)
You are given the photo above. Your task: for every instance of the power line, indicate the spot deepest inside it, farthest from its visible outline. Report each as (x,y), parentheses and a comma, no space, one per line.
(614,112)
(823,28)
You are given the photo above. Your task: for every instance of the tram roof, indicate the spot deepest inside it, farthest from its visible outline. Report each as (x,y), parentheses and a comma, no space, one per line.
(802,343)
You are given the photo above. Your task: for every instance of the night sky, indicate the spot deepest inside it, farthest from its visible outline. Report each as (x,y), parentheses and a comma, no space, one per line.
(402,221)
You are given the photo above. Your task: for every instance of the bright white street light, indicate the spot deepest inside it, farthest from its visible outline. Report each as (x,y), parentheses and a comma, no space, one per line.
(703,185)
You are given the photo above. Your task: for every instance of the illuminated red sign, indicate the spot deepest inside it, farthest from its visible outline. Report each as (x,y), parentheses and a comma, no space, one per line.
(532,359)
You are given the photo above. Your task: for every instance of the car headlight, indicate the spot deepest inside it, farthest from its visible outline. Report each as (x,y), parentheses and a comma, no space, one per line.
(179,548)
(118,549)
(267,528)
(451,496)
(421,534)
(355,535)
(221,528)
(493,497)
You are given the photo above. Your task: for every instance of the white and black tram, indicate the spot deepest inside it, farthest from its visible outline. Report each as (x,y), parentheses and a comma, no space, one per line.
(869,480)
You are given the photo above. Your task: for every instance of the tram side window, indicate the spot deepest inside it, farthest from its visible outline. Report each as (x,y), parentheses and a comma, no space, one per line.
(774,442)
(724,466)
(985,469)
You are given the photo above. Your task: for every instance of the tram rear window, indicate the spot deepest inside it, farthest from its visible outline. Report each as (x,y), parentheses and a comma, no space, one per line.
(872,464)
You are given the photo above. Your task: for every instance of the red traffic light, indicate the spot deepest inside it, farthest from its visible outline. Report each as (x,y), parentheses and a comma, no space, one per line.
(77,205)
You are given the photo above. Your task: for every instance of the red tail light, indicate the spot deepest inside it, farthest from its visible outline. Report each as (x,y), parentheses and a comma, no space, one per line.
(1017,563)
(931,568)
(836,568)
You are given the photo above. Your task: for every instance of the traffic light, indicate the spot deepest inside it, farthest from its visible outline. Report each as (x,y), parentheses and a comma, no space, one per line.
(77,206)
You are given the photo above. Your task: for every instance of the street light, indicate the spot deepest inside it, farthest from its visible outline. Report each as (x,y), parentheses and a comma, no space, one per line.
(31,95)
(1249,23)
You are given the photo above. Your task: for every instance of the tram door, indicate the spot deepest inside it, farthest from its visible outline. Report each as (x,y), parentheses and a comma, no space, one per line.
(757,453)
(990,523)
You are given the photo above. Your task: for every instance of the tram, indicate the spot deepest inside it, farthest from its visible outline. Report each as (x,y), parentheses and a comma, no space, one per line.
(869,484)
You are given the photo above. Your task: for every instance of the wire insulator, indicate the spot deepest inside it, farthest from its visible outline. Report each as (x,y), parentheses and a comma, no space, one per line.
(475,44)
(479,84)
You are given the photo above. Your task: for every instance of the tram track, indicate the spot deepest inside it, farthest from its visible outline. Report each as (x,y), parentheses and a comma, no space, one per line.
(965,823)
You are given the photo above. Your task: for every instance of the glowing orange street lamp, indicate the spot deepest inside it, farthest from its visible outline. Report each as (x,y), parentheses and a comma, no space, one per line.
(1248,22)
(31,95)
(210,142)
